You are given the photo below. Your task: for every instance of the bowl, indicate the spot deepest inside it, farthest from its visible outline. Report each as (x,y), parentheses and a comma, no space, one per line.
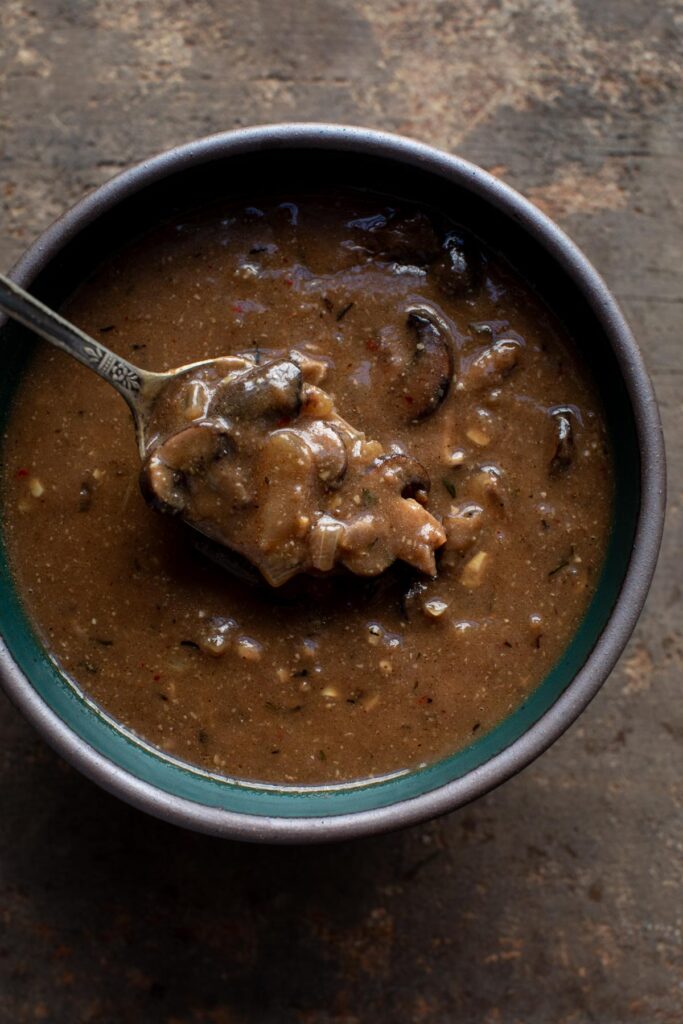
(266,158)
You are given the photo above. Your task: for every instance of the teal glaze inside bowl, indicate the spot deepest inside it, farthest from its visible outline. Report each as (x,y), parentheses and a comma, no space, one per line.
(102,733)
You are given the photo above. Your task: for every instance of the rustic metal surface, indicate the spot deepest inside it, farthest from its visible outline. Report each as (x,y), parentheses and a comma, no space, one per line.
(557,898)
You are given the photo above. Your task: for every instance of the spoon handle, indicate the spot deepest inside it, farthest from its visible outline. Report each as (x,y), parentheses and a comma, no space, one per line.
(128,380)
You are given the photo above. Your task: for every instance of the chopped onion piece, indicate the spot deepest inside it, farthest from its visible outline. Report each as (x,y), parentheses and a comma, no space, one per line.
(325,538)
(473,572)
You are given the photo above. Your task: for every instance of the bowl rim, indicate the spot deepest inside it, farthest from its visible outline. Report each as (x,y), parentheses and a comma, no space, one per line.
(647,538)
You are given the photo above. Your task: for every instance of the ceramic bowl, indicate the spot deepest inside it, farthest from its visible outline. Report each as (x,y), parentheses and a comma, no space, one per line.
(264,159)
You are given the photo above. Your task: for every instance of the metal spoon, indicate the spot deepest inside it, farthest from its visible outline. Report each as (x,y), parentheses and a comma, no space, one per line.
(139,388)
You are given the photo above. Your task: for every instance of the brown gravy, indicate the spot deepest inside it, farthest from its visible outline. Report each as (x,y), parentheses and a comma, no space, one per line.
(340,678)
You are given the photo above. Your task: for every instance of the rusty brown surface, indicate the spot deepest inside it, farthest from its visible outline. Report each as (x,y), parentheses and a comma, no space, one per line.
(555,900)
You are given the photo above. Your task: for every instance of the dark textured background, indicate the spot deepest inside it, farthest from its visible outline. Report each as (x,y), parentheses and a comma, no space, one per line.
(555,900)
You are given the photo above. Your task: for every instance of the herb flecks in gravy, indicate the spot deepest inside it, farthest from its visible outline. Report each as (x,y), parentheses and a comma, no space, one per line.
(413,334)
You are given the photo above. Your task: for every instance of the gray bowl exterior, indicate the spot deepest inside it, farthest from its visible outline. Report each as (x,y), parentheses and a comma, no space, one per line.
(409,154)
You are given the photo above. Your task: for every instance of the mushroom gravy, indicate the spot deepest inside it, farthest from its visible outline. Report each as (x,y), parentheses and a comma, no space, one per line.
(255,456)
(336,678)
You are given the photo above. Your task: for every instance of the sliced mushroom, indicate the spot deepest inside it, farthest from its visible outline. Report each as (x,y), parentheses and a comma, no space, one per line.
(564,450)
(492,364)
(166,475)
(271,390)
(430,370)
(458,269)
(163,488)
(398,237)
(313,370)
(370,544)
(392,524)
(402,472)
(324,439)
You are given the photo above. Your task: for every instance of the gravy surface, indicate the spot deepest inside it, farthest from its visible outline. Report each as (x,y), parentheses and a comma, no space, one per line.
(332,679)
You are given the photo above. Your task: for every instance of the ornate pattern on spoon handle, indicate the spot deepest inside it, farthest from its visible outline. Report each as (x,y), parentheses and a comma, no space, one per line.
(126,378)
(110,366)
